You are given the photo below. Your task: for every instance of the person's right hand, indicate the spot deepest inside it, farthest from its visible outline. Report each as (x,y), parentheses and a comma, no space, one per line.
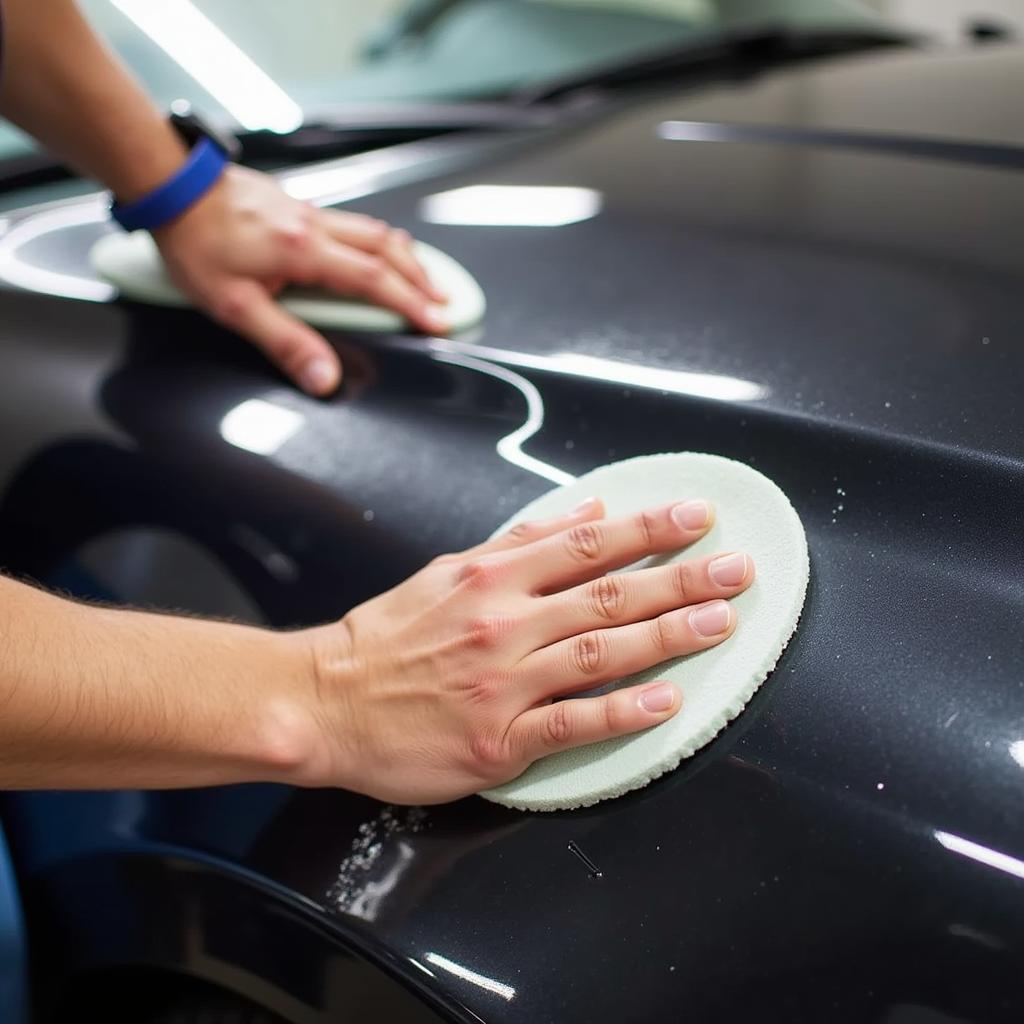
(449,683)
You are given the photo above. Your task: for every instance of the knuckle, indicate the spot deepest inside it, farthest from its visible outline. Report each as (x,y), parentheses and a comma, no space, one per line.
(524,531)
(683,582)
(480,574)
(558,724)
(590,653)
(664,635)
(482,688)
(230,305)
(487,751)
(289,350)
(371,273)
(585,542)
(647,524)
(606,598)
(487,631)
(614,720)
(295,234)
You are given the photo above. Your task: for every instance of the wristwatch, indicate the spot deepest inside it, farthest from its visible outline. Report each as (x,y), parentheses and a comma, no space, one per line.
(210,152)
(192,127)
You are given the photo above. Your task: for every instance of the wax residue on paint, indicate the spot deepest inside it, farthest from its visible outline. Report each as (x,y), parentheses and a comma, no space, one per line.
(376,861)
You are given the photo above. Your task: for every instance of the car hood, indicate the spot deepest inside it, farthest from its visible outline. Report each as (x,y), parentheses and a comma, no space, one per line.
(844,312)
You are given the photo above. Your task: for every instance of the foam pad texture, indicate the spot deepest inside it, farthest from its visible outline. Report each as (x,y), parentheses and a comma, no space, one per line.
(751,515)
(132,263)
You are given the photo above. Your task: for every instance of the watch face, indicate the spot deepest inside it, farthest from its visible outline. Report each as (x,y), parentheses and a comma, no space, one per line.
(192,127)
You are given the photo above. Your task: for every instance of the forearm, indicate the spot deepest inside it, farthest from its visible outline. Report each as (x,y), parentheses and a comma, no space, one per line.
(98,698)
(63,86)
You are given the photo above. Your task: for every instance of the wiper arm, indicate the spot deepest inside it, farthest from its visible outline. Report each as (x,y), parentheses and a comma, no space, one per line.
(353,128)
(740,50)
(331,132)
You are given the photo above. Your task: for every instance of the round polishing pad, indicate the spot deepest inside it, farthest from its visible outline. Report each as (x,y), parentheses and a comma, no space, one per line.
(132,263)
(752,515)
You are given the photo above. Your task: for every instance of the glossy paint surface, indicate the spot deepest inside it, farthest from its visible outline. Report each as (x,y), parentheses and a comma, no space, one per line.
(846,319)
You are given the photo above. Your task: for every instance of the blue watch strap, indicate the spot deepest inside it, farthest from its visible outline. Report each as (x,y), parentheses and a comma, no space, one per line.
(198,174)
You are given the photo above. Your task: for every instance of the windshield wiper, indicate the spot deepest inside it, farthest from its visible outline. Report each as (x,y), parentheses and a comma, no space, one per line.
(329,132)
(740,51)
(354,128)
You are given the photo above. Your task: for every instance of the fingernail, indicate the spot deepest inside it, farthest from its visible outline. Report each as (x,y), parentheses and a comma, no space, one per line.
(691,515)
(584,506)
(318,376)
(712,619)
(658,698)
(728,570)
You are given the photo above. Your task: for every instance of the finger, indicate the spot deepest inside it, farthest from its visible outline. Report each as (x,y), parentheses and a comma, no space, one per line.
(379,238)
(573,723)
(588,550)
(300,352)
(603,655)
(403,255)
(538,529)
(351,271)
(621,598)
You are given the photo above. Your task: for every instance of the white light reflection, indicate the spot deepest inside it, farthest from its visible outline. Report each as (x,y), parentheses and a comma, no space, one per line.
(510,446)
(982,854)
(506,992)
(259,426)
(419,966)
(683,382)
(693,131)
(230,76)
(1017,752)
(20,272)
(535,206)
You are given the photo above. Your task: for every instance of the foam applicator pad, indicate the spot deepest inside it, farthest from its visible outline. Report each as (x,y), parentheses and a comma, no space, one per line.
(752,515)
(132,263)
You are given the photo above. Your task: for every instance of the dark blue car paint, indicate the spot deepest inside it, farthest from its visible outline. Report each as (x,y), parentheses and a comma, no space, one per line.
(12,944)
(851,848)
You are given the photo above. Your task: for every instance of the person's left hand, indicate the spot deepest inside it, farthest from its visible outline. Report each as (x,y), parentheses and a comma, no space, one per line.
(236,248)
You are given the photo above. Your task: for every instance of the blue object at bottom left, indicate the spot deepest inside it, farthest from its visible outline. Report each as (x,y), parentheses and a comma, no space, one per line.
(12,944)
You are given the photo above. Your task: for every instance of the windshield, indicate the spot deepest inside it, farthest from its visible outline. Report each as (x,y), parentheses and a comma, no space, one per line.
(266,64)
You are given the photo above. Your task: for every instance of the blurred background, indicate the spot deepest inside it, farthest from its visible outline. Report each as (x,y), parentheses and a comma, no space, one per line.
(259,62)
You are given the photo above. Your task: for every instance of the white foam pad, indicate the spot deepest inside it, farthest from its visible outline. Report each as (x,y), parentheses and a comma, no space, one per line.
(751,515)
(132,263)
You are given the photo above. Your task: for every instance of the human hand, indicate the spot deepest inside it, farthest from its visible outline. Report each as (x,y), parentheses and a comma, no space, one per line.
(446,684)
(236,248)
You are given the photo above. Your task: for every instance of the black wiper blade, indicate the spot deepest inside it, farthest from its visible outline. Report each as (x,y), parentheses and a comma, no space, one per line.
(329,132)
(354,128)
(744,50)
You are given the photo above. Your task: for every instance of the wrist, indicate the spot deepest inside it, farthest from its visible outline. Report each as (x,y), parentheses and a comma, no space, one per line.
(163,156)
(311,733)
(175,195)
(286,740)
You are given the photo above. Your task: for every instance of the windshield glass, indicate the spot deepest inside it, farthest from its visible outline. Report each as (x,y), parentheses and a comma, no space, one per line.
(269,64)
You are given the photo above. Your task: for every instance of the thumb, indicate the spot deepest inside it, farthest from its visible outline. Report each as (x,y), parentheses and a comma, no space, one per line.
(301,353)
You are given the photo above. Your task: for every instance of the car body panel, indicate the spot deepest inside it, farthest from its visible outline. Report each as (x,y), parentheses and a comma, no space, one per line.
(846,320)
(13,996)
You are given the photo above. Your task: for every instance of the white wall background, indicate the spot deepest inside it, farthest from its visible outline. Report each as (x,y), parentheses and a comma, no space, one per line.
(946,18)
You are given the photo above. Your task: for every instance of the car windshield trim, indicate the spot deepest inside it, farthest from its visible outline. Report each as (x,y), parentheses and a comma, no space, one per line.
(752,46)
